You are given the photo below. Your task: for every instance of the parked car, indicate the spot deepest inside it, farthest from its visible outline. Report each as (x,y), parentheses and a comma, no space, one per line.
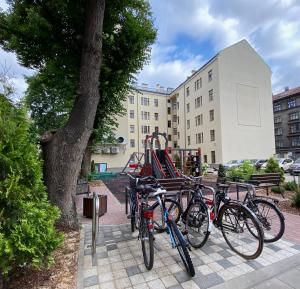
(295,167)
(233,164)
(259,163)
(284,163)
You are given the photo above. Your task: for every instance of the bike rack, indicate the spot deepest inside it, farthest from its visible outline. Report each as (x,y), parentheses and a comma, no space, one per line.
(95,222)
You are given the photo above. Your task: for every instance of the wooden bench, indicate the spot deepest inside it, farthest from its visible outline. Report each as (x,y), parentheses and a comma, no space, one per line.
(172,186)
(265,181)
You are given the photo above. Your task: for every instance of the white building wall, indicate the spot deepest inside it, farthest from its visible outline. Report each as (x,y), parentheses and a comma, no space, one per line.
(247,129)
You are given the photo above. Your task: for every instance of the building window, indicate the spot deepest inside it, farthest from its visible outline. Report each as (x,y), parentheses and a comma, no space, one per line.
(211,115)
(174,131)
(213,157)
(131,99)
(169,124)
(132,143)
(178,134)
(145,129)
(294,116)
(291,103)
(131,113)
(278,131)
(279,144)
(212,135)
(189,140)
(177,119)
(198,84)
(175,144)
(145,101)
(156,102)
(198,101)
(187,91)
(199,119)
(188,107)
(156,116)
(277,119)
(177,103)
(174,118)
(205,158)
(210,76)
(169,137)
(131,128)
(199,138)
(211,95)
(145,115)
(277,107)
(294,128)
(295,142)
(156,129)
(188,124)
(169,110)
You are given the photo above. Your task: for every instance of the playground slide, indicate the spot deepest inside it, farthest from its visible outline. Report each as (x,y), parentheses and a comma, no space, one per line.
(170,165)
(157,167)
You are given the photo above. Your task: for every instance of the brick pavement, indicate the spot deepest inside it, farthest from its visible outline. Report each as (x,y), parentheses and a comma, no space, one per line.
(119,262)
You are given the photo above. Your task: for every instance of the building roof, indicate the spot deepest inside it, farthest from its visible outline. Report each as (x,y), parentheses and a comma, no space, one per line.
(286,93)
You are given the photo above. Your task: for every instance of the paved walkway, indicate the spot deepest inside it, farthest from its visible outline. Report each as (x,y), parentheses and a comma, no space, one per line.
(119,264)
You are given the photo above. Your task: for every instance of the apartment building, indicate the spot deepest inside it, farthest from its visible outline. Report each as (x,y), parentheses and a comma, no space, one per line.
(225,108)
(286,107)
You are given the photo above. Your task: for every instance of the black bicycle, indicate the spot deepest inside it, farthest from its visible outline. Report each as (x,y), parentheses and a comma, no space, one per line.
(240,227)
(270,217)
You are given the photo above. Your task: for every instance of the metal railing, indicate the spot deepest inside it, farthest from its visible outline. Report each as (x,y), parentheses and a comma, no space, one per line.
(95,222)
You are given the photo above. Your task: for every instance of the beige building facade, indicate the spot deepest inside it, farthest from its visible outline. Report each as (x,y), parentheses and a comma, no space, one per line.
(225,108)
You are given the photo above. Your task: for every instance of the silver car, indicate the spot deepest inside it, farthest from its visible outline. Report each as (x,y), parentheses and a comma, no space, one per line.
(295,167)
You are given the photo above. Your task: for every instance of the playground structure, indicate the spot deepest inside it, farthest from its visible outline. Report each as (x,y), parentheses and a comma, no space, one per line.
(158,160)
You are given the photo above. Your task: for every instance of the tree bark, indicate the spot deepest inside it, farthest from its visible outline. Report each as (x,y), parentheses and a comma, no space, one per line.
(86,161)
(63,151)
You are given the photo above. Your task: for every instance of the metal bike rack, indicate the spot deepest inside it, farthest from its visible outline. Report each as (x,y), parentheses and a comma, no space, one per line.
(95,221)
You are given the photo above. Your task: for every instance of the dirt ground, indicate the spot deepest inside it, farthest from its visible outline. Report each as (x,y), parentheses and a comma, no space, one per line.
(61,276)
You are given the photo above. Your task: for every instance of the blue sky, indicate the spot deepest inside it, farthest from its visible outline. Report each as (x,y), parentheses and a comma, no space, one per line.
(191,31)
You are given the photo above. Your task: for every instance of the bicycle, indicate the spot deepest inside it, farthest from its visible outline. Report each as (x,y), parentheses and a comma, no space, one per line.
(270,217)
(234,219)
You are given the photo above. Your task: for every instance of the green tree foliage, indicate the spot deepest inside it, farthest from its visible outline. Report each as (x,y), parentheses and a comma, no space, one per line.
(291,186)
(296,200)
(273,167)
(27,232)
(242,172)
(57,27)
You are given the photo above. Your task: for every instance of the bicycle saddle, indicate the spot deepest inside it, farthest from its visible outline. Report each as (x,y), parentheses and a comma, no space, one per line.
(146,189)
(223,186)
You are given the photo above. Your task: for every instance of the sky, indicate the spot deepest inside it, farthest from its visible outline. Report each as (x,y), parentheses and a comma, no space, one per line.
(190,32)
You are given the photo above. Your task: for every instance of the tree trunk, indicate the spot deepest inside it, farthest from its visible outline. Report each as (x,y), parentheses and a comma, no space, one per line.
(63,151)
(86,161)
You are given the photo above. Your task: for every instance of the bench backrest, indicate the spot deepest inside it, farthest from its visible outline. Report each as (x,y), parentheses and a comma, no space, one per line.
(267,178)
(169,184)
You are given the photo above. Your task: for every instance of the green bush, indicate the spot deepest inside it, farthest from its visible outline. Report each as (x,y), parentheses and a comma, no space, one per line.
(27,232)
(291,186)
(204,168)
(296,200)
(273,167)
(93,168)
(278,190)
(243,172)
(177,161)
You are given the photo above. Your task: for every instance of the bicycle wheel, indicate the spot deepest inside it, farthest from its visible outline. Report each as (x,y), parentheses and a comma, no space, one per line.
(174,210)
(234,221)
(181,246)
(270,217)
(133,217)
(147,244)
(197,224)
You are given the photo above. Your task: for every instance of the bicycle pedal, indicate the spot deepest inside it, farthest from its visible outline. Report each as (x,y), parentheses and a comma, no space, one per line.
(184,232)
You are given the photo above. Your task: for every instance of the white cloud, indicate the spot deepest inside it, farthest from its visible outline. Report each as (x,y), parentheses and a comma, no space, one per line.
(272,27)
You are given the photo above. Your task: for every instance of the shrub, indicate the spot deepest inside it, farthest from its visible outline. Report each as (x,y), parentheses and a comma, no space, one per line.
(278,190)
(27,232)
(243,172)
(291,186)
(204,168)
(273,167)
(177,161)
(221,171)
(93,168)
(296,200)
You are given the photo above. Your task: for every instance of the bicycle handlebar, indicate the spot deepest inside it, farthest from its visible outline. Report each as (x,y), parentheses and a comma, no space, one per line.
(140,178)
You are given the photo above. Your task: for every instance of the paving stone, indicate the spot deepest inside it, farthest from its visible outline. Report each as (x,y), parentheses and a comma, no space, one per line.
(108,285)
(197,262)
(208,281)
(190,285)
(182,276)
(169,281)
(111,247)
(254,264)
(122,283)
(102,255)
(225,253)
(273,247)
(156,284)
(273,284)
(178,286)
(133,270)
(297,247)
(87,252)
(225,263)
(292,278)
(90,281)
